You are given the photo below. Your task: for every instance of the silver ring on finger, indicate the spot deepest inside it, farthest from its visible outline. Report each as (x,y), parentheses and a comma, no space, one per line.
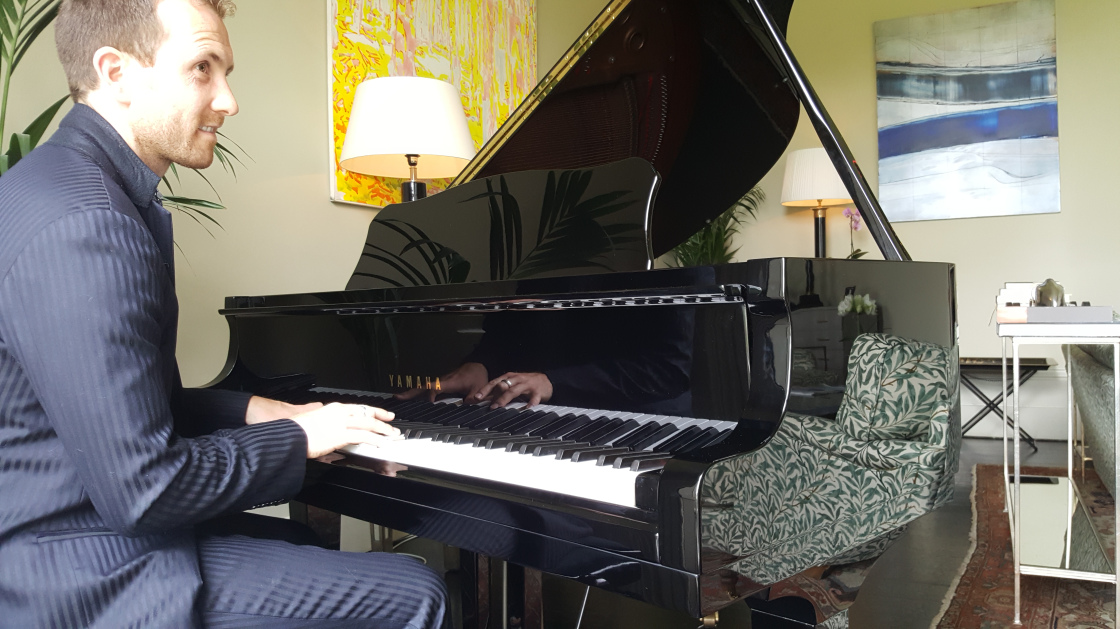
(508,383)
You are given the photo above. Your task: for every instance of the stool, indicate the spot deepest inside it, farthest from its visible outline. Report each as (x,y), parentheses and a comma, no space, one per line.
(972,367)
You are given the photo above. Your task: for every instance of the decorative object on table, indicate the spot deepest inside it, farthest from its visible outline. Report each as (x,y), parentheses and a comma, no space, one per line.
(968,112)
(982,595)
(712,244)
(1049,293)
(1032,302)
(407,126)
(811,181)
(854,221)
(486,49)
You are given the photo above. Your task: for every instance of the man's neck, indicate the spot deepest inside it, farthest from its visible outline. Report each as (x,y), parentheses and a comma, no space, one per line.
(117,116)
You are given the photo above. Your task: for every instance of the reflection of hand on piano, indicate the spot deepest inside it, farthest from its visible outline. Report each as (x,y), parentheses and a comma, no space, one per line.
(464,382)
(261,410)
(336,425)
(534,387)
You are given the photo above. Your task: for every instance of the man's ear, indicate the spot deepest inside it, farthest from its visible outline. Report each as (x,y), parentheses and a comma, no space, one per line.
(112,67)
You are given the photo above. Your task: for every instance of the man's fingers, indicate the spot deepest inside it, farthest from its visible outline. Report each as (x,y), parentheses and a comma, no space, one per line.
(534,399)
(363,436)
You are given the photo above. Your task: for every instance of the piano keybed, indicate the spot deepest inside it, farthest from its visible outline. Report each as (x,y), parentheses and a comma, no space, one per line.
(587,453)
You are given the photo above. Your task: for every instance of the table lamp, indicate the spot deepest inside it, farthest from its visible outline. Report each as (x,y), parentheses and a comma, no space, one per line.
(811,181)
(407,127)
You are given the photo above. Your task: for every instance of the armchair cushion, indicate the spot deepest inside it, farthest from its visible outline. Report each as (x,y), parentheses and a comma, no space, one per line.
(894,387)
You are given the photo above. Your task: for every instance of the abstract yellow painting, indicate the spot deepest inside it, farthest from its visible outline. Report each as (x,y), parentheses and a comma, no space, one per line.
(485,48)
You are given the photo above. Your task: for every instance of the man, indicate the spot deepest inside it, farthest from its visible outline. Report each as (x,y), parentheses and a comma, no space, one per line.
(107,465)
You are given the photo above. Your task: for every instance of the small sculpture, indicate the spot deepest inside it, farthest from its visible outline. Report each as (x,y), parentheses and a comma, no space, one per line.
(1049,293)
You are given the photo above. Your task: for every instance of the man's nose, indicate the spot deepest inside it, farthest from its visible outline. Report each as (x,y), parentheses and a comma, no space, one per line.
(224,102)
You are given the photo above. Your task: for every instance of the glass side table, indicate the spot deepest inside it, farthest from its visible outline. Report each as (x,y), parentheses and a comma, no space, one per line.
(1063,547)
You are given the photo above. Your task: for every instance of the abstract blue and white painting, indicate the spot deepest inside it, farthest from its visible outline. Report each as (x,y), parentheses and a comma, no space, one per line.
(968,112)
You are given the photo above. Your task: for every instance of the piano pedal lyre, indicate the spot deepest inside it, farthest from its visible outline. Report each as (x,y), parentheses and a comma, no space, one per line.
(711,620)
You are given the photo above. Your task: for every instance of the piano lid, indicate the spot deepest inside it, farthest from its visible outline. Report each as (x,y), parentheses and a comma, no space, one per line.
(707,91)
(694,88)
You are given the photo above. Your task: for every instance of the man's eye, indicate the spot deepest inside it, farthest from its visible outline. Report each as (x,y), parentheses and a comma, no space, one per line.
(203,67)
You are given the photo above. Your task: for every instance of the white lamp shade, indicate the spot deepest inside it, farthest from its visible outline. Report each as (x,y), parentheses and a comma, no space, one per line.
(811,180)
(399,115)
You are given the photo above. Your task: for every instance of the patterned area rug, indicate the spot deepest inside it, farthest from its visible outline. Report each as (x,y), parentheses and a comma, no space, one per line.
(984,595)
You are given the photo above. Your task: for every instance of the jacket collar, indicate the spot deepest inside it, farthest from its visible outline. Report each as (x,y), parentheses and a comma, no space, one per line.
(84,130)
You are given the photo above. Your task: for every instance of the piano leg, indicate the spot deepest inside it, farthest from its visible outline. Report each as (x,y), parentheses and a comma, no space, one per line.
(534,600)
(499,595)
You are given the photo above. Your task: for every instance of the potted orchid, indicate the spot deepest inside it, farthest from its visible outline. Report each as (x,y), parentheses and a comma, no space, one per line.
(854,223)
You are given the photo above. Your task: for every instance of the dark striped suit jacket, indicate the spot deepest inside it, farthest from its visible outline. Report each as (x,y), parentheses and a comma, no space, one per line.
(106,463)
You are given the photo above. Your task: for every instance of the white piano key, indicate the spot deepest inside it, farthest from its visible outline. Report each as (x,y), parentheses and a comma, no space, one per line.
(583,480)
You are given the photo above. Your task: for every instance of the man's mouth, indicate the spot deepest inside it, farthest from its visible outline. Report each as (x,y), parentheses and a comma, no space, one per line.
(208,129)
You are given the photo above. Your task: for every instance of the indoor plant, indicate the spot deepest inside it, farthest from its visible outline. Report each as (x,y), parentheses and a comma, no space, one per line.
(712,244)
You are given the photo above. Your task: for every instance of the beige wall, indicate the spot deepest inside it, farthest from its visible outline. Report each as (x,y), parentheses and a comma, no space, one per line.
(833,42)
(559,24)
(283,235)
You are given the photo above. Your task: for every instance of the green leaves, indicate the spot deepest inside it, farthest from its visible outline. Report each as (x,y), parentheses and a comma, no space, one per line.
(712,244)
(444,265)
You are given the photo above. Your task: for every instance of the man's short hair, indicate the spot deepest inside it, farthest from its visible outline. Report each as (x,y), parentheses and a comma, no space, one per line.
(130,26)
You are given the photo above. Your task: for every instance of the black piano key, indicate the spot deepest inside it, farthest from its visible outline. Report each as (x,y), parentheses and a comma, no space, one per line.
(483,441)
(565,425)
(505,443)
(523,418)
(491,419)
(594,454)
(528,447)
(637,435)
(567,452)
(595,429)
(682,437)
(551,450)
(626,460)
(716,437)
(432,412)
(541,419)
(618,432)
(467,437)
(645,465)
(467,414)
(661,434)
(699,440)
(449,434)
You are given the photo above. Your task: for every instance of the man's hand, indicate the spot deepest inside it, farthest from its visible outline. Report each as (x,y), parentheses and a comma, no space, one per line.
(535,387)
(335,425)
(466,380)
(262,409)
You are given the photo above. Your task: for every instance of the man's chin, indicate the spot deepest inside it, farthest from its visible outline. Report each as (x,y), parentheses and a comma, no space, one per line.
(197,163)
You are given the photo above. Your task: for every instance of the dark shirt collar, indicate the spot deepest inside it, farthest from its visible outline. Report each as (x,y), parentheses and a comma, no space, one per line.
(84,130)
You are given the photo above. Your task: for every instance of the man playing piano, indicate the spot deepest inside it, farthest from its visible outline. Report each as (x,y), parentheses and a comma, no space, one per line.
(112,474)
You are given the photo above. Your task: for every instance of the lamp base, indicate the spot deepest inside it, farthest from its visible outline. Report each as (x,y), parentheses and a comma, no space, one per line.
(818,232)
(413,190)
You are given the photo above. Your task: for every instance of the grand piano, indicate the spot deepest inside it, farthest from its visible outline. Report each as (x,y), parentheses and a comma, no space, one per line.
(538,262)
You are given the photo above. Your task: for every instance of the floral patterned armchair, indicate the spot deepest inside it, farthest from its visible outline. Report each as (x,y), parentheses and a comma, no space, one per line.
(825,492)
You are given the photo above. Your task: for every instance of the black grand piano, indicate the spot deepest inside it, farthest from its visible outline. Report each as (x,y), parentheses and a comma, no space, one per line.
(536,267)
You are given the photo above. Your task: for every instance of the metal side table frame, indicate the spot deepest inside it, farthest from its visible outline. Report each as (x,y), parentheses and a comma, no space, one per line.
(1054,334)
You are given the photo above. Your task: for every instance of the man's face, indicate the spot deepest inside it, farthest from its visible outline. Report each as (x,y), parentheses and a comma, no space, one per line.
(179,102)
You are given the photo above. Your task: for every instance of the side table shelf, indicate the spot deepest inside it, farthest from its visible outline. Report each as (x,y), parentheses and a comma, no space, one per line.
(1092,563)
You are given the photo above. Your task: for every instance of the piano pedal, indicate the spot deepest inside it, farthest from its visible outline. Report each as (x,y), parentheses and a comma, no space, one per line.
(711,620)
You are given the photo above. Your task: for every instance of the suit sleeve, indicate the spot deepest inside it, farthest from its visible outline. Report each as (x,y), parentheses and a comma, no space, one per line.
(87,327)
(202,411)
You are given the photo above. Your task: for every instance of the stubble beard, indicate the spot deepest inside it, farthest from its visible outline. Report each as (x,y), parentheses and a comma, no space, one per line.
(178,144)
